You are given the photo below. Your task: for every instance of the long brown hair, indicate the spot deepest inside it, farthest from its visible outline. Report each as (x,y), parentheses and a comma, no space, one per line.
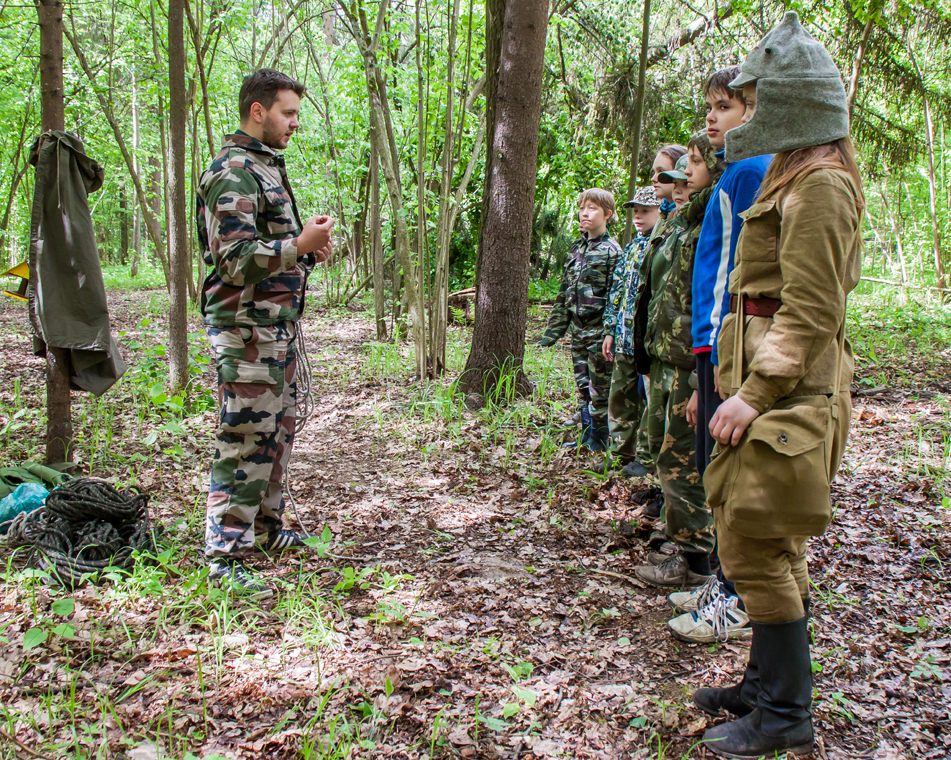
(791,165)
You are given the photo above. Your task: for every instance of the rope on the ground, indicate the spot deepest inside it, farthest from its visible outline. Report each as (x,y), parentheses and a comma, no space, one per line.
(86,527)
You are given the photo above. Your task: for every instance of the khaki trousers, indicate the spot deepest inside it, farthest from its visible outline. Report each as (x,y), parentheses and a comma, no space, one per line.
(770,574)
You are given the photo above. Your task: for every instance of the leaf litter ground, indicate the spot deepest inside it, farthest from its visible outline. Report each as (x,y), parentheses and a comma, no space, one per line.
(471,593)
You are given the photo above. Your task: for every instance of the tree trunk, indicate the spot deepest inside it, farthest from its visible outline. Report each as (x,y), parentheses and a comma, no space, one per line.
(376,246)
(859,57)
(59,425)
(123,226)
(638,121)
(932,188)
(178,216)
(501,313)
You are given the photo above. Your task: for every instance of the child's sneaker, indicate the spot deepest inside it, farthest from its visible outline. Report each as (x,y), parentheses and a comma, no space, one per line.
(690,601)
(235,577)
(673,571)
(720,620)
(280,541)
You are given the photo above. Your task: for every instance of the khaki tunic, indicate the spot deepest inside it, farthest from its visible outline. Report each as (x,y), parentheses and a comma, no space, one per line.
(803,247)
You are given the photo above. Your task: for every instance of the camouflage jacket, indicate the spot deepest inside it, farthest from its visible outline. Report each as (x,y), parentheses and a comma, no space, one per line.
(619,311)
(247,229)
(669,313)
(585,285)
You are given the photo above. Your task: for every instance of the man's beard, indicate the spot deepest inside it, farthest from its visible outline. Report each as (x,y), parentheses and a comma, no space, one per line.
(272,136)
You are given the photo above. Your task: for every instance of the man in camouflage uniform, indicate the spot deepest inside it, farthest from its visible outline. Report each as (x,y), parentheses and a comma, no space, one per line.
(626,405)
(667,272)
(579,306)
(259,255)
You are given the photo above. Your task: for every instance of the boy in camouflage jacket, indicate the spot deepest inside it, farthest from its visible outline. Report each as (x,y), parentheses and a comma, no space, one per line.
(666,273)
(626,406)
(258,256)
(579,307)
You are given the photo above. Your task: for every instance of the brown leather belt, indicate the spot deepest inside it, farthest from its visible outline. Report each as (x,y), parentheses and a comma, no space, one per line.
(757,307)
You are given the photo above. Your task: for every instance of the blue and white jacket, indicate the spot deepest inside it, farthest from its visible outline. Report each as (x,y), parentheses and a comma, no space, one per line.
(713,261)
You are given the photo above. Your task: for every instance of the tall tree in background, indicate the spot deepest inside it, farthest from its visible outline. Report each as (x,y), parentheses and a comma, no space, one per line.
(515,57)
(178,218)
(59,425)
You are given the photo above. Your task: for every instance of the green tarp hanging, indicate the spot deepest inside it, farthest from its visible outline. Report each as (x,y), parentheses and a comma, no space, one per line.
(66,293)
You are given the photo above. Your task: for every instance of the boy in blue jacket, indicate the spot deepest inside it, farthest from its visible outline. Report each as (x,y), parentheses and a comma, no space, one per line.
(733,194)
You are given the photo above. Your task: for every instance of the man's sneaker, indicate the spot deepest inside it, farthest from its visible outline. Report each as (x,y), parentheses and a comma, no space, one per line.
(280,541)
(635,469)
(721,620)
(235,577)
(691,601)
(673,571)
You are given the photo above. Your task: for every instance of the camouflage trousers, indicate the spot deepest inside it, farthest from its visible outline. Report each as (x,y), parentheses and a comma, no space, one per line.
(627,413)
(258,395)
(593,378)
(672,442)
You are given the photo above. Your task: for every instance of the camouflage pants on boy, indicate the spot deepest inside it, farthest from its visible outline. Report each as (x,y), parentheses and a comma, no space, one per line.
(593,378)
(672,441)
(258,395)
(627,413)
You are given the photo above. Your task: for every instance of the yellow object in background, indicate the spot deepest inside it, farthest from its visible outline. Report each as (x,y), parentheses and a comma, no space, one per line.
(21,270)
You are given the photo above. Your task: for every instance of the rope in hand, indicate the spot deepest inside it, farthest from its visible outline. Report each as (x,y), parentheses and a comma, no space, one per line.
(86,527)
(303,410)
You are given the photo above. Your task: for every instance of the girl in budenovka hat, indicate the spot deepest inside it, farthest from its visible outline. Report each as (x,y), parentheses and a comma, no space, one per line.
(785,372)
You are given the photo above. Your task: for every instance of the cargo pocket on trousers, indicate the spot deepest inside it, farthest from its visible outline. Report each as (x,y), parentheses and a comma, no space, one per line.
(250,398)
(779,484)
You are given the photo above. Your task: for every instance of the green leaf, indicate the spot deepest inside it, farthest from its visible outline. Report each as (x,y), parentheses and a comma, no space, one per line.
(526,695)
(63,607)
(624,641)
(327,534)
(509,709)
(494,724)
(65,630)
(388,686)
(34,637)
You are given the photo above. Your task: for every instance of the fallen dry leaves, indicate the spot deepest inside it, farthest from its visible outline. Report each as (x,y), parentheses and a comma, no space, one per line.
(500,620)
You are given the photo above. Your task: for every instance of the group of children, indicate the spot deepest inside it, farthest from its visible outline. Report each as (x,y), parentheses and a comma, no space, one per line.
(643,341)
(652,325)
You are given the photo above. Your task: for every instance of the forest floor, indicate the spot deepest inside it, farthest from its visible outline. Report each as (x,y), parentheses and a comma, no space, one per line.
(472,592)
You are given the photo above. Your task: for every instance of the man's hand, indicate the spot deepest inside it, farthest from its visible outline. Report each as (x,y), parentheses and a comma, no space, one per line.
(606,348)
(315,238)
(731,421)
(692,406)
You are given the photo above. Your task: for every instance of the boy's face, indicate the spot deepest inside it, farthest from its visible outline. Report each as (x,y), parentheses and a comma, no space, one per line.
(749,95)
(645,217)
(592,219)
(661,164)
(681,193)
(698,175)
(723,114)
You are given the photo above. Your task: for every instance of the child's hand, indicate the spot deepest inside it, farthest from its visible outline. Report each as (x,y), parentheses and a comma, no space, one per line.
(692,409)
(731,421)
(606,348)
(716,379)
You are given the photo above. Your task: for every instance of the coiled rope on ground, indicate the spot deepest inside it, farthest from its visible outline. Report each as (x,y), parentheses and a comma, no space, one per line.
(86,527)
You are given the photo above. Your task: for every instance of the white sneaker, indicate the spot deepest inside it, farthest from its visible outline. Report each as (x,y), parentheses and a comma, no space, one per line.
(718,621)
(690,601)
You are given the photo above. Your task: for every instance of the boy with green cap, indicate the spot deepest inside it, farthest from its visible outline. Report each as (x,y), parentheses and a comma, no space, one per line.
(667,272)
(786,369)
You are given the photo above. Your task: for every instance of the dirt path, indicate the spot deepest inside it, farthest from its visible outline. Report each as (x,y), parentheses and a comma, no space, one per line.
(474,594)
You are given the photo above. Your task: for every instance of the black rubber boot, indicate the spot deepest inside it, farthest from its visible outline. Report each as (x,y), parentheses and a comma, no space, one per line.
(598,437)
(782,721)
(739,699)
(585,431)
